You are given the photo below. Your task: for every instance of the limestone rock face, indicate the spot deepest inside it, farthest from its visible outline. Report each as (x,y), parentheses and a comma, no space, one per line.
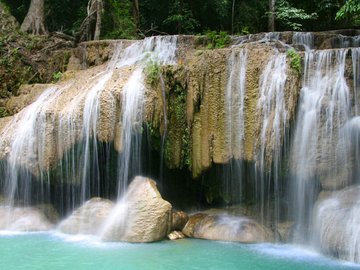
(142,215)
(337,224)
(227,228)
(23,219)
(87,219)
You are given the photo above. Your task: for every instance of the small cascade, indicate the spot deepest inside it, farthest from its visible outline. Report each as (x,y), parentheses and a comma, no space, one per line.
(157,50)
(355,57)
(272,110)
(131,125)
(234,104)
(304,38)
(347,41)
(318,147)
(78,125)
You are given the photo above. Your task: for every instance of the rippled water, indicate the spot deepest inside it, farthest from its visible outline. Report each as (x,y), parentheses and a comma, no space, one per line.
(54,251)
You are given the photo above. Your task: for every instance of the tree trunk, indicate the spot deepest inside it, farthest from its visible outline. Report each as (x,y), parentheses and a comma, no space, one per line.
(136,14)
(90,28)
(232,17)
(99,8)
(271,22)
(34,20)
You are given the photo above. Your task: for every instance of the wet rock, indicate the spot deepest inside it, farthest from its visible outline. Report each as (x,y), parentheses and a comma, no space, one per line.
(179,220)
(336,229)
(175,235)
(227,228)
(25,219)
(89,218)
(49,211)
(284,230)
(142,216)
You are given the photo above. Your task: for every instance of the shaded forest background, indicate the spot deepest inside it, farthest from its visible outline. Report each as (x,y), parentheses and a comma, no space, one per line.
(139,18)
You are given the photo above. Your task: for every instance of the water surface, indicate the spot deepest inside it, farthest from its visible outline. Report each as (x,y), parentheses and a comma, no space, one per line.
(54,251)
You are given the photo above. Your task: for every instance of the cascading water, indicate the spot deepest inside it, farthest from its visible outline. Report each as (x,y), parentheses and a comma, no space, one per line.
(152,51)
(27,148)
(304,38)
(336,218)
(234,104)
(272,110)
(162,51)
(318,147)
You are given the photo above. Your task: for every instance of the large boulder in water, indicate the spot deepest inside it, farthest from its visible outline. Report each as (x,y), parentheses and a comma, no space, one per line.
(26,219)
(141,216)
(336,225)
(89,218)
(227,228)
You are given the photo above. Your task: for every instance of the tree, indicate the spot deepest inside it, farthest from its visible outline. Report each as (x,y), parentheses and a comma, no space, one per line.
(271,22)
(34,19)
(90,28)
(136,14)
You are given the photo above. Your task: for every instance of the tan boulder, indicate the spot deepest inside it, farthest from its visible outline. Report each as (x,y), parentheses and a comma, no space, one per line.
(25,219)
(141,216)
(89,218)
(227,228)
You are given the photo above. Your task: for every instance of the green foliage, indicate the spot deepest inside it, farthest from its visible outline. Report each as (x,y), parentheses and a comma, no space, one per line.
(291,16)
(350,9)
(152,72)
(295,60)
(57,76)
(118,22)
(181,18)
(217,39)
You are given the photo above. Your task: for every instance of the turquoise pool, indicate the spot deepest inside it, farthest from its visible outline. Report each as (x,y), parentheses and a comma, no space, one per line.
(52,251)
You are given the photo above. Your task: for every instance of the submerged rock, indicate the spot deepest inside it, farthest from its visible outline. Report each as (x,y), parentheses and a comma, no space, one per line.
(142,215)
(175,235)
(336,228)
(227,228)
(89,218)
(25,219)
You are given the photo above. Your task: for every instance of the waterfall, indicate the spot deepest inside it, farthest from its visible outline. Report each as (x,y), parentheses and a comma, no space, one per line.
(304,38)
(317,146)
(235,126)
(272,111)
(61,142)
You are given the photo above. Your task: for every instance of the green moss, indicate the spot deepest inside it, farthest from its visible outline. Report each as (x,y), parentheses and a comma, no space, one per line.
(155,136)
(3,112)
(152,72)
(57,76)
(177,153)
(295,60)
